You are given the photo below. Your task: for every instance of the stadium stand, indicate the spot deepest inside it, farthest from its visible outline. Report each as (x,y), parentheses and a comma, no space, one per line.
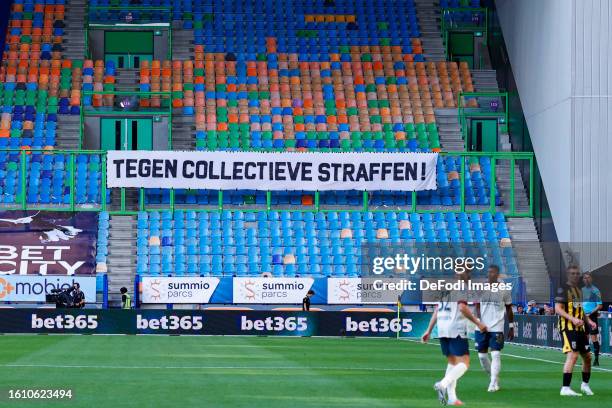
(287,243)
(276,75)
(310,105)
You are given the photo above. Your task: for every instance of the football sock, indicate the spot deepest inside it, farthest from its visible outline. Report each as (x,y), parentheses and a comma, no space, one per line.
(495,365)
(596,348)
(567,379)
(485,362)
(452,387)
(453,374)
(586,377)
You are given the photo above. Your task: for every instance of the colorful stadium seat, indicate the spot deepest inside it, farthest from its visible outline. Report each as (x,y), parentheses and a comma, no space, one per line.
(286,243)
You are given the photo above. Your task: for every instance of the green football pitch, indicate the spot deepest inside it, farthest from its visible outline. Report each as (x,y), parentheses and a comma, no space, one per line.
(267,372)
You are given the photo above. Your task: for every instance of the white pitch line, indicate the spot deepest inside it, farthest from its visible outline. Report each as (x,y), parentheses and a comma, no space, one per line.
(526,358)
(324,368)
(218,367)
(552,361)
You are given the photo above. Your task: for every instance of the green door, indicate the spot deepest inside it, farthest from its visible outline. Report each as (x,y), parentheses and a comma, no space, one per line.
(461,47)
(140,134)
(483,135)
(136,59)
(126,134)
(128,60)
(111,134)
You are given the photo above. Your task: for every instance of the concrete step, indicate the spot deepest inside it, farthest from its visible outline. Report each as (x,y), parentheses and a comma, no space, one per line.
(484,80)
(530,258)
(182,43)
(428,15)
(74,37)
(68,132)
(121,259)
(183,132)
(127,79)
(521,200)
(449,130)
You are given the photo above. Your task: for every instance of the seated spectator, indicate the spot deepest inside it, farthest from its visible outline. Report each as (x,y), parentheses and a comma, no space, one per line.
(532,308)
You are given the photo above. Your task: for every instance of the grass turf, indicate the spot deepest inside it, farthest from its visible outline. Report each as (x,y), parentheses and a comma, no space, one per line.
(171,371)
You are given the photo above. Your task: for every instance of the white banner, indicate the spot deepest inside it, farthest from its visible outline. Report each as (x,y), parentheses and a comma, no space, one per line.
(178,290)
(352,291)
(271,290)
(271,171)
(32,288)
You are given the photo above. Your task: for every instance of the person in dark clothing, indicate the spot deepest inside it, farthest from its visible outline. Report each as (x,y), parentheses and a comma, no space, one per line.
(126,299)
(306,300)
(78,297)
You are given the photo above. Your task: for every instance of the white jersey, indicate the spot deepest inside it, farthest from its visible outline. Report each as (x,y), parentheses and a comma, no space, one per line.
(493,309)
(451,322)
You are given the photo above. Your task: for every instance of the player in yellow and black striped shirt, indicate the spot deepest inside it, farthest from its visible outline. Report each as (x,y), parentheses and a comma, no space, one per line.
(571,298)
(572,321)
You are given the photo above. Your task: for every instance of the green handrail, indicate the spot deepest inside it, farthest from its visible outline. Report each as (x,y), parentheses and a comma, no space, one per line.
(125,207)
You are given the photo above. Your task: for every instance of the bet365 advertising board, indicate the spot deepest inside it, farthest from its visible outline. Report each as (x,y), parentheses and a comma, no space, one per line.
(213,322)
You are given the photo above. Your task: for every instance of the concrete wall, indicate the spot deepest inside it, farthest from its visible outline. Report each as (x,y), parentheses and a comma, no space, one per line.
(560,55)
(591,144)
(542,72)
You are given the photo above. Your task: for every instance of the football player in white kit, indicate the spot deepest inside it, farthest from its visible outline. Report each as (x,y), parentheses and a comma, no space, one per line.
(451,315)
(492,310)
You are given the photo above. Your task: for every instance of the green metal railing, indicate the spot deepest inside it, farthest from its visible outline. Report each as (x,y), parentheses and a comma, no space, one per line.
(450,23)
(113,111)
(135,24)
(124,207)
(466,113)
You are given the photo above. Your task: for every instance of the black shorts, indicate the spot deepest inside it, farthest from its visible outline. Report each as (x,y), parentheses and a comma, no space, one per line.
(594,317)
(457,346)
(575,341)
(488,340)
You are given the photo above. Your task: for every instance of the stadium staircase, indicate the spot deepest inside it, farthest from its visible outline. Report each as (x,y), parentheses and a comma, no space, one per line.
(530,257)
(127,79)
(68,134)
(521,201)
(428,14)
(74,38)
(449,130)
(485,80)
(525,240)
(131,199)
(182,43)
(183,130)
(121,256)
